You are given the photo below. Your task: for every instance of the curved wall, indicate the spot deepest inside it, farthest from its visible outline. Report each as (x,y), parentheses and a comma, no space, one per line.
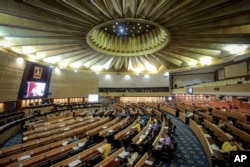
(11,73)
(65,83)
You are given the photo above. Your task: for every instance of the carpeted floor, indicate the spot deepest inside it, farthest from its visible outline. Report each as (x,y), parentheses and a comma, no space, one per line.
(189,150)
(16,139)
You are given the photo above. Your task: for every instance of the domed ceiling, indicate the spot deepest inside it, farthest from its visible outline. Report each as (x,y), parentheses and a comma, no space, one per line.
(126,36)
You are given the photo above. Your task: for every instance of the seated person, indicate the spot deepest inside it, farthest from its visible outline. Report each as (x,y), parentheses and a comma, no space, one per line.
(221,124)
(105,150)
(228,146)
(189,114)
(166,142)
(72,139)
(131,158)
(231,121)
(142,122)
(137,126)
(196,110)
(223,109)
(88,142)
(155,126)
(155,120)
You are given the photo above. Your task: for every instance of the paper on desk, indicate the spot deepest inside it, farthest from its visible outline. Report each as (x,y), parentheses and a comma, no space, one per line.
(74,163)
(215,147)
(207,135)
(99,149)
(123,154)
(24,157)
(75,148)
(81,144)
(149,162)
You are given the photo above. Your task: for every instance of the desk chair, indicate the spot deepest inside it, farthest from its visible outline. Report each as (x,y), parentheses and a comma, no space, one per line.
(59,158)
(74,152)
(95,160)
(43,164)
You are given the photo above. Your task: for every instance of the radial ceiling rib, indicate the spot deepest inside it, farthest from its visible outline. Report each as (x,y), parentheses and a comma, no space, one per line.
(170,58)
(168,13)
(55,9)
(100,5)
(202,9)
(78,7)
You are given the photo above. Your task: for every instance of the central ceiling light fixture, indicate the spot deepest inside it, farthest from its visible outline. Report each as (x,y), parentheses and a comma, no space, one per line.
(128,37)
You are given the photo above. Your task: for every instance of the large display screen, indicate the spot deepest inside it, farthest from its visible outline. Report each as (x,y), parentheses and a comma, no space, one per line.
(189,90)
(35,89)
(93,98)
(35,82)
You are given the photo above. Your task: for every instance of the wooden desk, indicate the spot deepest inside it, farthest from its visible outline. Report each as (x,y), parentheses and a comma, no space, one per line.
(83,156)
(168,109)
(203,139)
(112,160)
(160,133)
(145,161)
(45,141)
(141,135)
(120,135)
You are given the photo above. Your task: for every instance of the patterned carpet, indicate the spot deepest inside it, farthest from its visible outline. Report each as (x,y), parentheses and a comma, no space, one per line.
(16,139)
(189,150)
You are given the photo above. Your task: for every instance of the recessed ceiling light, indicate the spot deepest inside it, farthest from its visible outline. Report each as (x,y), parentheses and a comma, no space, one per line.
(121,30)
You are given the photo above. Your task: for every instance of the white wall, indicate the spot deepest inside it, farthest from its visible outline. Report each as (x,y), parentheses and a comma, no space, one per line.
(133,81)
(67,83)
(184,80)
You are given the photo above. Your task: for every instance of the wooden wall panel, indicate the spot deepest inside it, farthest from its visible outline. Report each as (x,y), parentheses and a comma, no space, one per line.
(11,73)
(66,83)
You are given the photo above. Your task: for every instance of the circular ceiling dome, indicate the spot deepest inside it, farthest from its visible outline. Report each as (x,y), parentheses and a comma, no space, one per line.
(130,37)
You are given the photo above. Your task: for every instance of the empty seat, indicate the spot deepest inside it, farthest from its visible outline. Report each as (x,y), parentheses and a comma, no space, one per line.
(74,152)
(95,160)
(59,158)
(43,164)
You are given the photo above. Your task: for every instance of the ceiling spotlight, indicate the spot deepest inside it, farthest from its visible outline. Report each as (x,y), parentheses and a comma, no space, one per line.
(121,30)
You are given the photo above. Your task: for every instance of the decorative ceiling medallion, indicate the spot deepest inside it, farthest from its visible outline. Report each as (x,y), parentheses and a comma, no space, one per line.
(128,37)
